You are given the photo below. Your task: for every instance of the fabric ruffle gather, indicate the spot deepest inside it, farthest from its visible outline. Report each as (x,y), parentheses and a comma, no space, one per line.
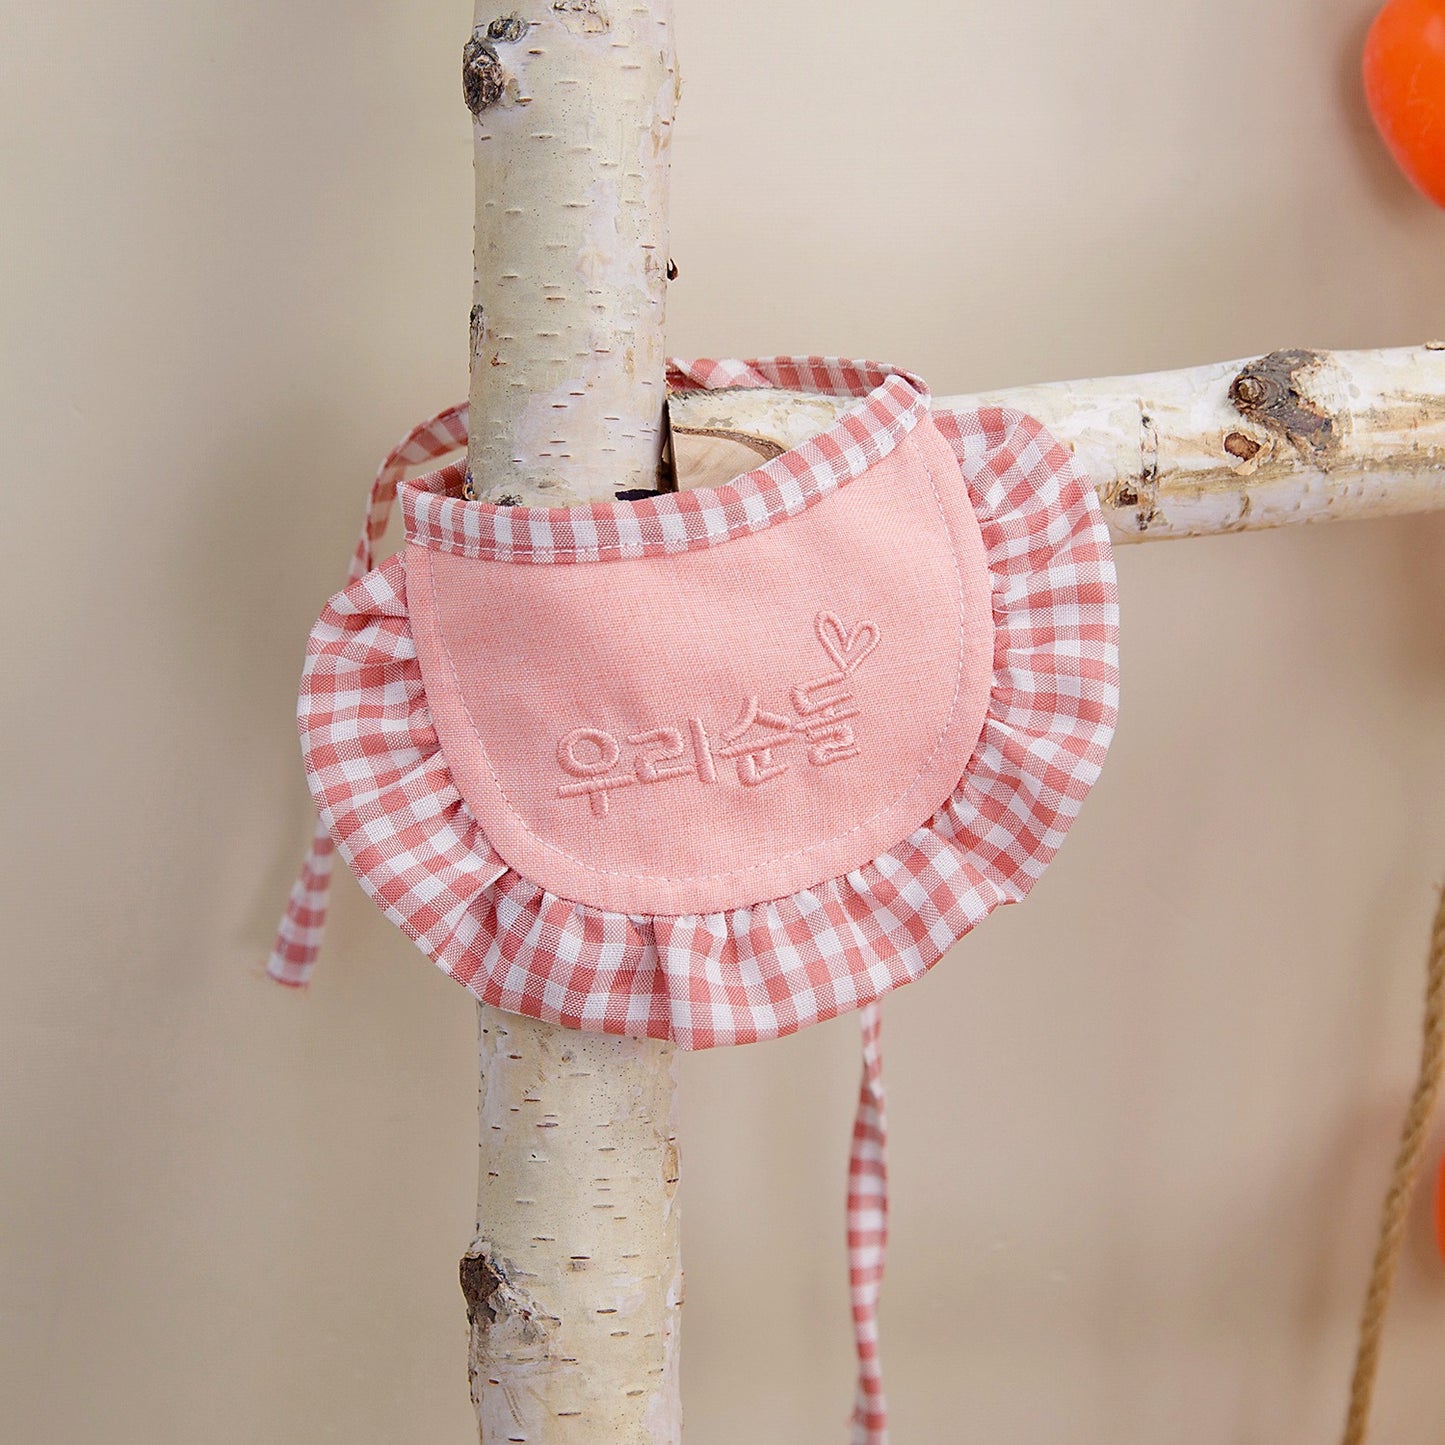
(389,799)
(957,559)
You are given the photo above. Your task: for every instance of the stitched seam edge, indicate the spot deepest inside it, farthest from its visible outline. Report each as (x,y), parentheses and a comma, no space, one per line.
(738,873)
(901,427)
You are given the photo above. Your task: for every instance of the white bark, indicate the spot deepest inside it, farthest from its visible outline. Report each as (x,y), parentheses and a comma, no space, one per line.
(573,104)
(574,1282)
(1295,436)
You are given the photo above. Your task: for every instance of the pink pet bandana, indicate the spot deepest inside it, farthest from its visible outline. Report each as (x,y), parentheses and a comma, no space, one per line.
(719,764)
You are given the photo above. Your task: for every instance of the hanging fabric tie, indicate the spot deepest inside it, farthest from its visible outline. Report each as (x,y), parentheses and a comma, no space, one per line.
(298,938)
(868,1232)
(719,764)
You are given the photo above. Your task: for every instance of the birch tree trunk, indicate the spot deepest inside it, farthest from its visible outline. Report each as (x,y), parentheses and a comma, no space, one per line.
(573,103)
(573,1283)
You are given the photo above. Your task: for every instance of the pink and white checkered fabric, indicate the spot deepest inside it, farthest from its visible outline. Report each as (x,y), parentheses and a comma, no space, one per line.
(303,925)
(891,404)
(868,1232)
(386,796)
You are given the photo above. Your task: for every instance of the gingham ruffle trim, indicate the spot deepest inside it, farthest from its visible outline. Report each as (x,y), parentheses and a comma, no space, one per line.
(892,402)
(707,980)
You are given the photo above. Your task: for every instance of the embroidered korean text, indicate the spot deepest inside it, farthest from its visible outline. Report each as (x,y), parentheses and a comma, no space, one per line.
(819,729)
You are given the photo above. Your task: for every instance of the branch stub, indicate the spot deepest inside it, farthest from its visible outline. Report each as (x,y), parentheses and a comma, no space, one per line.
(507,28)
(1271,392)
(484,81)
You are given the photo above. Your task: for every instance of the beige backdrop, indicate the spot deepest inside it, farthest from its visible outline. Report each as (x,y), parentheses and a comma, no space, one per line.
(1141,1124)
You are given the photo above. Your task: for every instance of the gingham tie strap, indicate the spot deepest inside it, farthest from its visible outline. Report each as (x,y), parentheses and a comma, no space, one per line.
(303,924)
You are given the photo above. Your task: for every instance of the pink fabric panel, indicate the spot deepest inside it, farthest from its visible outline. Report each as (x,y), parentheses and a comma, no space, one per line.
(712,729)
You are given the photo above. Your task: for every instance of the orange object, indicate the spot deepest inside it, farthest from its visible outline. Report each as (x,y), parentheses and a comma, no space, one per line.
(1404,71)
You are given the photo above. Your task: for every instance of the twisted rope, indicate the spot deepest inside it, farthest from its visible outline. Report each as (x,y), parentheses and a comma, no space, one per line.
(1396,1212)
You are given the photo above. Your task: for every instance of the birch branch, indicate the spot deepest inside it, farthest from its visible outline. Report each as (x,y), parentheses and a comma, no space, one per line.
(1295,436)
(573,1283)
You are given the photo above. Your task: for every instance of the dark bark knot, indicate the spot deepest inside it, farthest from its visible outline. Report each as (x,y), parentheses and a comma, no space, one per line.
(494,1303)
(1241,446)
(480,1283)
(507,28)
(1272,392)
(1141,491)
(484,82)
(588,16)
